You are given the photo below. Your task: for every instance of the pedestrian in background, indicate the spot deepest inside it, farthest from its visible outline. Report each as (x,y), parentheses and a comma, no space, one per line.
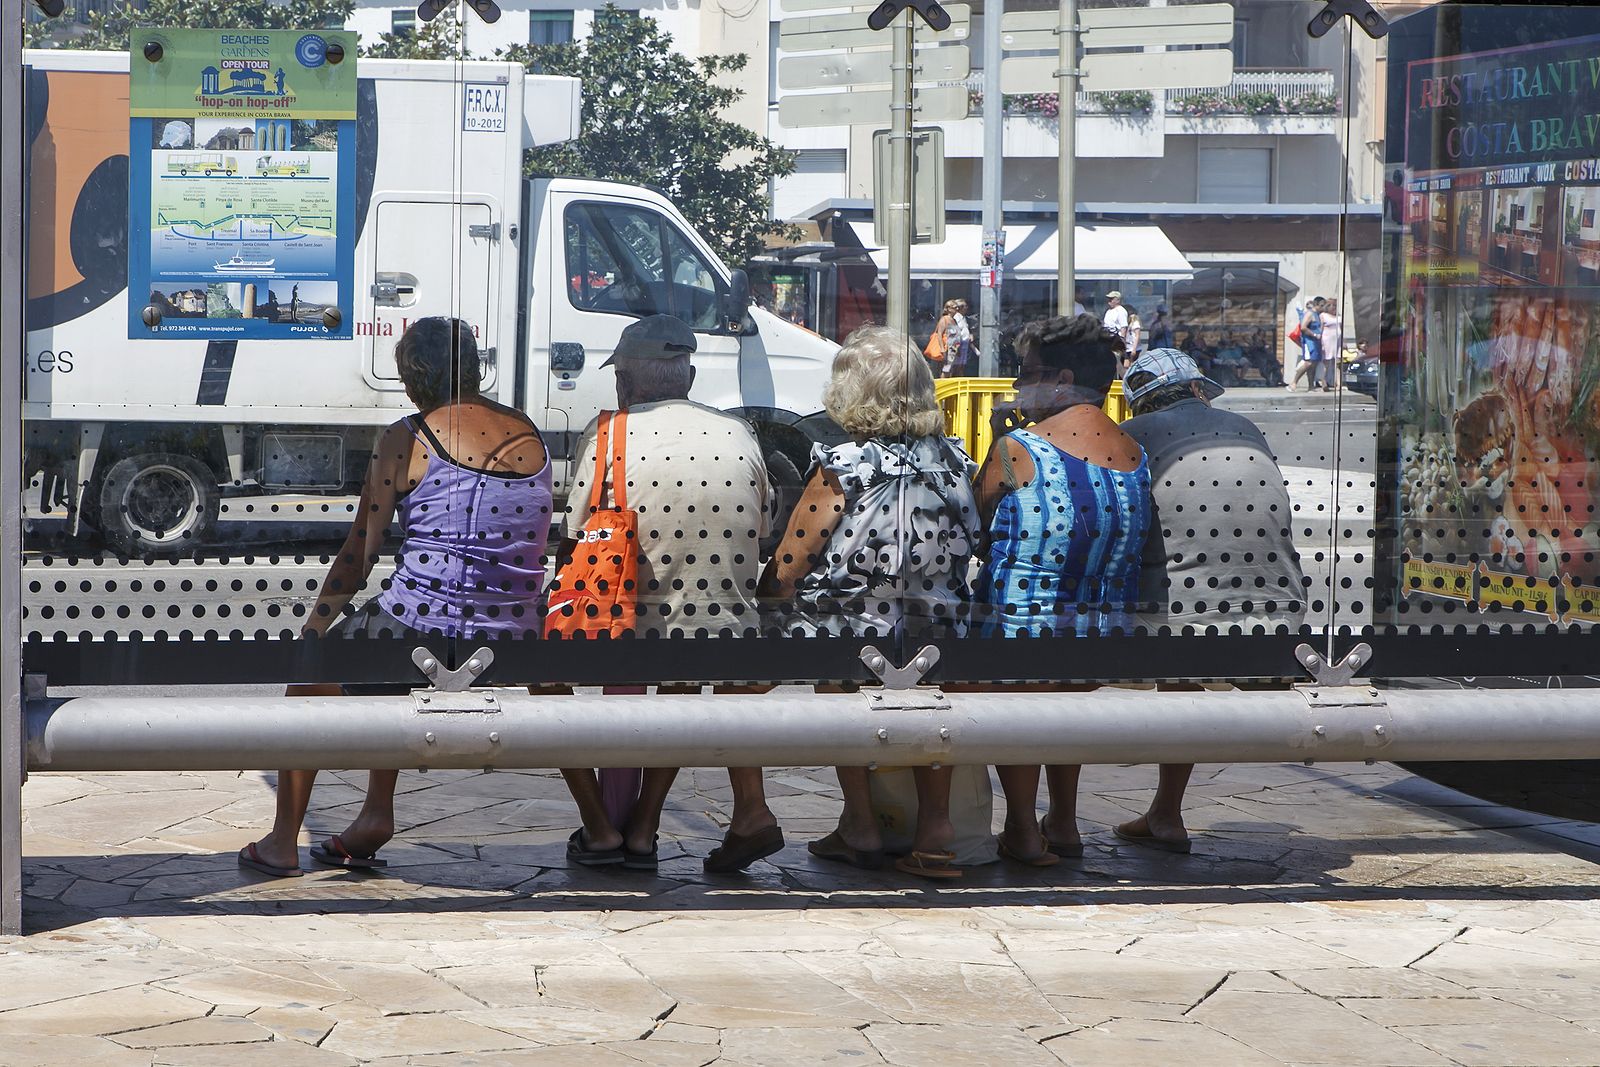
(474,519)
(1131,343)
(1205,566)
(1159,333)
(944,337)
(960,362)
(1332,341)
(1310,331)
(695,477)
(1066,503)
(1116,318)
(879,546)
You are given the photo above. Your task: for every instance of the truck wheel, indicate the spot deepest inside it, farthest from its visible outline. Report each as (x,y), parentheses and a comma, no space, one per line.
(158,503)
(788,484)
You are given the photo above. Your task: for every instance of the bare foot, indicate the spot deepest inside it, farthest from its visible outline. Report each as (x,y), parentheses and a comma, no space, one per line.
(366,835)
(278,853)
(862,836)
(1160,829)
(1061,833)
(1023,841)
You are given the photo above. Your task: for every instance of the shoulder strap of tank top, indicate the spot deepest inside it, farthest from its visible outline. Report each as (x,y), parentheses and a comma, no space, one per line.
(420,424)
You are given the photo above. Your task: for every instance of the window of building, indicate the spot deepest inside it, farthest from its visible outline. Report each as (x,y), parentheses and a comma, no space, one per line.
(549,27)
(819,174)
(772,62)
(403,21)
(1235,176)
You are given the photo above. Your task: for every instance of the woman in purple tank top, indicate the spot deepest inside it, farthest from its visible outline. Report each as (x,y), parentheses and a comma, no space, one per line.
(469,481)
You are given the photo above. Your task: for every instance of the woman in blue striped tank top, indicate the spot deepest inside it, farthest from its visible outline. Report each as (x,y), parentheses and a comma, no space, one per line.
(1066,503)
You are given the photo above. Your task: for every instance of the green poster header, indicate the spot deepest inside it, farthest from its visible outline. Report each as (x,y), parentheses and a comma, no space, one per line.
(243,74)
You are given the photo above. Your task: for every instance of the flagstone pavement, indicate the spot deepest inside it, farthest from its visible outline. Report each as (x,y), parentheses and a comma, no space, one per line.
(1346,915)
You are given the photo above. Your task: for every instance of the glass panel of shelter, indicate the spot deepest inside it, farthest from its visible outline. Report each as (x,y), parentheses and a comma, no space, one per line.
(1487,458)
(219,275)
(544,315)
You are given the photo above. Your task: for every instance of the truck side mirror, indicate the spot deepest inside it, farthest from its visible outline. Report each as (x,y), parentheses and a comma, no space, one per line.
(736,301)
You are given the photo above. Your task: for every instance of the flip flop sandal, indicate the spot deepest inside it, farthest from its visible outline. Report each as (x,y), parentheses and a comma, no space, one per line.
(333,853)
(643,861)
(835,849)
(935,866)
(250,858)
(1181,848)
(738,852)
(1044,859)
(582,854)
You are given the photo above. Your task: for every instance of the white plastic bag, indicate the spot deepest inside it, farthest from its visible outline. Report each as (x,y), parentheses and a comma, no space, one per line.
(894,804)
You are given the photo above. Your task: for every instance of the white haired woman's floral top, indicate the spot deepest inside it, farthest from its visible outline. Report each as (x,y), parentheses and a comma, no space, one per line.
(896,564)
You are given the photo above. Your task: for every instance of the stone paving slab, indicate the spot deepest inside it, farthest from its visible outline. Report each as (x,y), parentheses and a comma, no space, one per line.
(1330,915)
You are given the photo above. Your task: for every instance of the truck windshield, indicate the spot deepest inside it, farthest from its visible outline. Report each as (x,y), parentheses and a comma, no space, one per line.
(634,261)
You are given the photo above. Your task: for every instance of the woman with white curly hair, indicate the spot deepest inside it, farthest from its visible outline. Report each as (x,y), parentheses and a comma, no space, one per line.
(878,545)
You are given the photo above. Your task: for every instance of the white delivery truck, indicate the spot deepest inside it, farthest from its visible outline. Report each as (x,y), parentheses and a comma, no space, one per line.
(140,438)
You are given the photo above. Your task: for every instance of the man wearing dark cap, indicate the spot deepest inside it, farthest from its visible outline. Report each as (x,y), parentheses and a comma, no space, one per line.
(1220,551)
(697,480)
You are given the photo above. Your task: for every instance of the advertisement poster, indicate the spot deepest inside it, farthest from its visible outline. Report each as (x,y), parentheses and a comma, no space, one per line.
(1496,403)
(242,184)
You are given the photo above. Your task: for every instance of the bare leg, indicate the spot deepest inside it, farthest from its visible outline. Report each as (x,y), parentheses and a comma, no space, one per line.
(1061,822)
(1304,368)
(646,820)
(598,833)
(856,824)
(1164,820)
(374,826)
(934,829)
(750,812)
(1021,787)
(281,845)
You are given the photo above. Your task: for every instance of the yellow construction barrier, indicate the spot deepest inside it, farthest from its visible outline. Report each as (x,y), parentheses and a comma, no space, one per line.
(968,405)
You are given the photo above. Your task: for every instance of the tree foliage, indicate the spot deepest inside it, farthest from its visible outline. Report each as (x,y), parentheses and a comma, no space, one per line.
(108,29)
(438,39)
(653,116)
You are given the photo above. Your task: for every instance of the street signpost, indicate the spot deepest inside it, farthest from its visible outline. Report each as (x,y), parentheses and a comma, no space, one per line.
(927,184)
(1111,71)
(1131,29)
(867,107)
(839,69)
(818,33)
(901,179)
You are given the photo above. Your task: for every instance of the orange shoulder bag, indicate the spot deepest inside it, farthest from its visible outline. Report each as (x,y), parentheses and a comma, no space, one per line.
(596,591)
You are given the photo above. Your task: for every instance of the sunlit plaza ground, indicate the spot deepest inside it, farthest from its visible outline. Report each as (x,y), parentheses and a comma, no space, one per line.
(1328,915)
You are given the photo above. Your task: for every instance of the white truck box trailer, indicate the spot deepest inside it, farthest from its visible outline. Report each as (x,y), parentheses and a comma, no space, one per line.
(140,438)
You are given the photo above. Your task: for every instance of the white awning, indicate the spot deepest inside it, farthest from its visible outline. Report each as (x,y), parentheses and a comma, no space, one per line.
(1103,251)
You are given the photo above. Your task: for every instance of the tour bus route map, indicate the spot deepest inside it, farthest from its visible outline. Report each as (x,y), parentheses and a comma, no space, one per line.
(242,190)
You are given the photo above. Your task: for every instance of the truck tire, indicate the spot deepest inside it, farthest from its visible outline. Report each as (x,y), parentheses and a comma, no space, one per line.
(158,503)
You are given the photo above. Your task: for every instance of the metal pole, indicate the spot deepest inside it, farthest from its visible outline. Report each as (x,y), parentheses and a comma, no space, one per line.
(899,214)
(12,339)
(1066,187)
(178,733)
(994,140)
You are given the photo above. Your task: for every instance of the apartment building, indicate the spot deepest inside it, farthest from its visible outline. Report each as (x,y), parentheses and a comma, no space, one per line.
(1268,188)
(1249,181)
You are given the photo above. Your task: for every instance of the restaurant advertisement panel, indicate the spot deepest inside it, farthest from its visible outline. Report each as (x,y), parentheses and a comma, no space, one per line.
(1494,405)
(242,183)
